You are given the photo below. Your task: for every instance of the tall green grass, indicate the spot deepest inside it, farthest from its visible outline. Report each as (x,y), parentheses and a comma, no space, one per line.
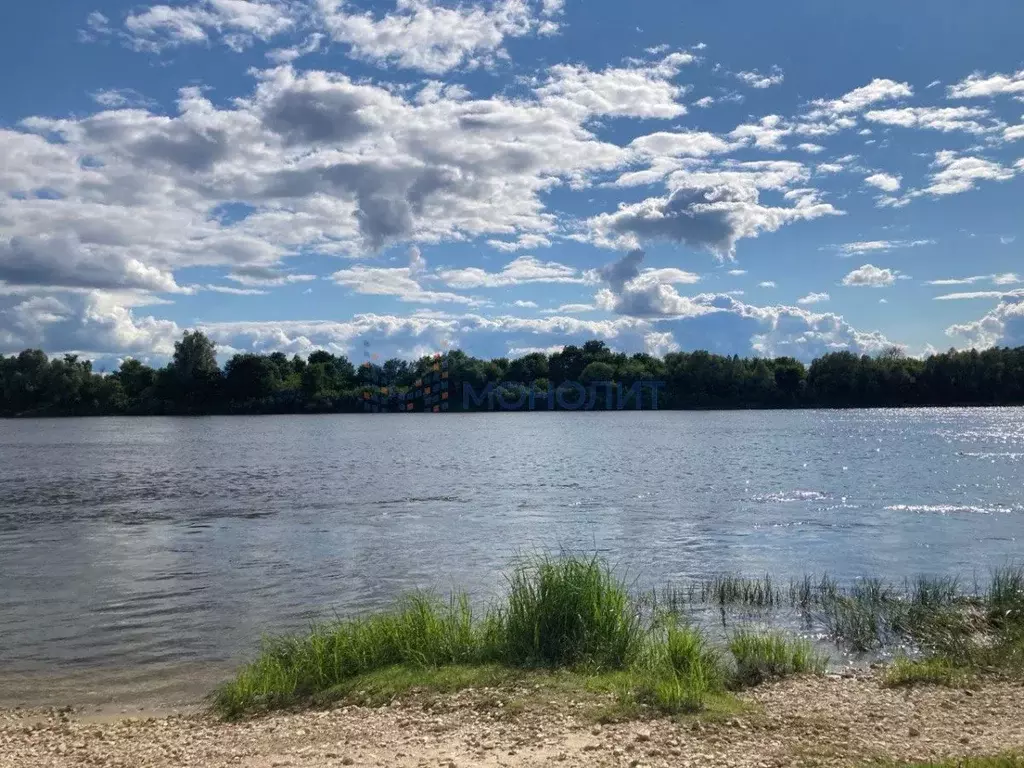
(559,613)
(575,613)
(566,612)
(420,631)
(761,657)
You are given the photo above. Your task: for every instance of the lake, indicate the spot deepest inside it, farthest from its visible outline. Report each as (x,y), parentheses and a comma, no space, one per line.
(140,559)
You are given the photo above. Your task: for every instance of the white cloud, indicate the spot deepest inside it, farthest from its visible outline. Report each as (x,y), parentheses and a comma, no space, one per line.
(645,292)
(119,97)
(1006,278)
(813,298)
(1004,326)
(879,89)
(711,208)
(523,242)
(756,79)
(640,91)
(880,246)
(737,272)
(960,174)
(980,86)
(569,309)
(423,35)
(401,282)
(524,304)
(523,270)
(976,295)
(1013,132)
(96,26)
(766,134)
(884,181)
(766,284)
(238,22)
(871,276)
(681,144)
(704,102)
(311,44)
(812,149)
(944,119)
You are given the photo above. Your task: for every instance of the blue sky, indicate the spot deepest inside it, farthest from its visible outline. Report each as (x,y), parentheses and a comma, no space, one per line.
(509,176)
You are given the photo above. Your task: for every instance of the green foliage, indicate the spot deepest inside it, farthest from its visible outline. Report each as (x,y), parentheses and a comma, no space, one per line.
(567,611)
(905,672)
(30,384)
(679,670)
(562,615)
(761,657)
(419,632)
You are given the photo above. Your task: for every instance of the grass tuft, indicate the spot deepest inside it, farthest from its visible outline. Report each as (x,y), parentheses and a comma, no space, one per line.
(761,657)
(565,612)
(905,672)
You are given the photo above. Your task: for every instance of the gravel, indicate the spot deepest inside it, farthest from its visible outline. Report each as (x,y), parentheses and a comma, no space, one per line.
(820,721)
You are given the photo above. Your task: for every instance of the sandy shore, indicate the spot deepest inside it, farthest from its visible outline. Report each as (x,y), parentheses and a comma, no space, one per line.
(829,721)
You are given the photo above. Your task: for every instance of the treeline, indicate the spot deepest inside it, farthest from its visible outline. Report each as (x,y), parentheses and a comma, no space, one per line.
(31,384)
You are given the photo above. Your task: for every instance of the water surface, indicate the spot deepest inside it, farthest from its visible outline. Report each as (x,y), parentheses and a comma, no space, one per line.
(141,558)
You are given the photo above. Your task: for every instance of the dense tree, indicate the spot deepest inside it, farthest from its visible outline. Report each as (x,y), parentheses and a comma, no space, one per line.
(192,383)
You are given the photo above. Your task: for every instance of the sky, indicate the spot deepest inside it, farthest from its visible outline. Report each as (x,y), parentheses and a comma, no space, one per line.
(510,176)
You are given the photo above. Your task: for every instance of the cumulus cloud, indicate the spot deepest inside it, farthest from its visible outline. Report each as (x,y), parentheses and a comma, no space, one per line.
(756,79)
(713,209)
(945,119)
(871,276)
(879,89)
(644,91)
(92,323)
(65,262)
(766,134)
(722,323)
(979,85)
(884,181)
(424,35)
(523,242)
(1002,326)
(766,284)
(400,282)
(237,22)
(813,298)
(521,271)
(646,292)
(681,144)
(959,174)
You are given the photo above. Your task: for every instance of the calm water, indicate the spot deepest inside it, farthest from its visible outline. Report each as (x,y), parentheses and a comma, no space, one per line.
(141,558)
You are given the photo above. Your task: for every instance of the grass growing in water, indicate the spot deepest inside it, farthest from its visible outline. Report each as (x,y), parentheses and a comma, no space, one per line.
(761,657)
(573,618)
(560,614)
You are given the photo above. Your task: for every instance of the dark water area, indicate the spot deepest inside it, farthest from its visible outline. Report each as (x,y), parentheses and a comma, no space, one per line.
(141,559)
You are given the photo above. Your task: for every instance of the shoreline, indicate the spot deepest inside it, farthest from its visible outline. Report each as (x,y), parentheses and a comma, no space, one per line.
(834,720)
